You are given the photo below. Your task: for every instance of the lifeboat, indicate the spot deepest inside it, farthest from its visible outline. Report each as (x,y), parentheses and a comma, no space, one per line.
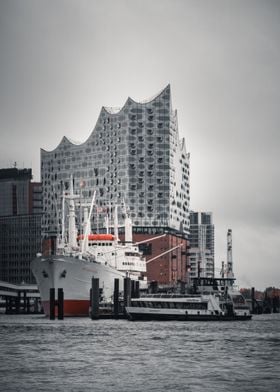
(97,237)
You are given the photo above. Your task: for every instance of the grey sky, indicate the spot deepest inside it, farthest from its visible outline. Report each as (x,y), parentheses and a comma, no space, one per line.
(61,61)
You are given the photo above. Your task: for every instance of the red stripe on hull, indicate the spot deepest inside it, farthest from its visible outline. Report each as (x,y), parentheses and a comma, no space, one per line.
(72,308)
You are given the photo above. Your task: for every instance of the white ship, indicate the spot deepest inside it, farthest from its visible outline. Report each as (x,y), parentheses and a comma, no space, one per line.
(82,257)
(211,300)
(200,307)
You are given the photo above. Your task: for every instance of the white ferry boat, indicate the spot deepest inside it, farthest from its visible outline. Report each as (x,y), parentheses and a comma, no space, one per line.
(212,303)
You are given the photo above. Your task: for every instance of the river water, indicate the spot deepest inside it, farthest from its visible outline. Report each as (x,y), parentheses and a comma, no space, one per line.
(78,354)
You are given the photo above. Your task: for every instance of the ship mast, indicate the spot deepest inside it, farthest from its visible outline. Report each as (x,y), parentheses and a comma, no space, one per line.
(72,234)
(127,226)
(63,221)
(87,226)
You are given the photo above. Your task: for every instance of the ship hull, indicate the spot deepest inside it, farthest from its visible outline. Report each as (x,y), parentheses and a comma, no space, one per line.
(74,276)
(139,316)
(71,308)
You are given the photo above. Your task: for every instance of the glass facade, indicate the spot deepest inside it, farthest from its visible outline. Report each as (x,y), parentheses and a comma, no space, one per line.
(202,246)
(133,157)
(20,224)
(20,240)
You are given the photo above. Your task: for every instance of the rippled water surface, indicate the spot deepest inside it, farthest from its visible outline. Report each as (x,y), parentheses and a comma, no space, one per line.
(117,355)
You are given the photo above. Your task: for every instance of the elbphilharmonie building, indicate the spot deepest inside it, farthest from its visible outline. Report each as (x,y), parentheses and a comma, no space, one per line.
(133,156)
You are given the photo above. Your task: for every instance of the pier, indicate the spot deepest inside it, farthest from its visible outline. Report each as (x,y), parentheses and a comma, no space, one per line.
(263,302)
(19,298)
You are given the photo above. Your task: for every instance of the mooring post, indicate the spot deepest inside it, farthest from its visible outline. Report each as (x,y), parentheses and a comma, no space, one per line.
(127,292)
(60,304)
(132,288)
(253,299)
(24,302)
(116,297)
(94,298)
(52,304)
(137,289)
(18,302)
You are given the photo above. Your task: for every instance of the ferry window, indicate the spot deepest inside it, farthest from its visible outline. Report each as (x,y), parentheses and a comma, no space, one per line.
(194,305)
(238,299)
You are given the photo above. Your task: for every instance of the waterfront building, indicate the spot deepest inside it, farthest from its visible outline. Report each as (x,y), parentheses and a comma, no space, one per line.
(202,249)
(20,224)
(133,157)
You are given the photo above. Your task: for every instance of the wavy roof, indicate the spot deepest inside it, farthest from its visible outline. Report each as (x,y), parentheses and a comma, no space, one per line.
(111,111)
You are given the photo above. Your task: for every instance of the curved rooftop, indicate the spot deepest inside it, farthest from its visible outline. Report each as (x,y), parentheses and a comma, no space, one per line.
(111,111)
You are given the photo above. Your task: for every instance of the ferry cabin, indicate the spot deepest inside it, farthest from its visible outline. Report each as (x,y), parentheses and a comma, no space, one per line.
(182,307)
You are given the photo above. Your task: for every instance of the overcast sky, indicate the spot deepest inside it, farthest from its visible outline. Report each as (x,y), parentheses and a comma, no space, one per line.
(61,61)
